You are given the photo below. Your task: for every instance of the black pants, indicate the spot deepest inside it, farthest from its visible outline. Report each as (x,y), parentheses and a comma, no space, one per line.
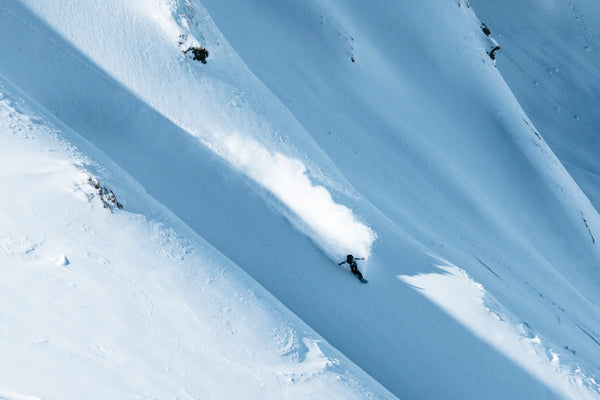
(355,270)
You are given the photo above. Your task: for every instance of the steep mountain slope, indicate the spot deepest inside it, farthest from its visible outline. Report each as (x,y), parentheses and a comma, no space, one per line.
(103,303)
(551,53)
(378,129)
(461,167)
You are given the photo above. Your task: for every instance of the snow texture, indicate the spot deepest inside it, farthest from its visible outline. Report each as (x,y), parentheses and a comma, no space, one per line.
(171,228)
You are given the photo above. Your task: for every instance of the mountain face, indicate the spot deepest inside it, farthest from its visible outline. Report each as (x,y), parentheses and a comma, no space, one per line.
(181,179)
(552,50)
(101,302)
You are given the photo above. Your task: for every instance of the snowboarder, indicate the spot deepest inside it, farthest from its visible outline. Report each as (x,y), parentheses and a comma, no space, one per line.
(351,260)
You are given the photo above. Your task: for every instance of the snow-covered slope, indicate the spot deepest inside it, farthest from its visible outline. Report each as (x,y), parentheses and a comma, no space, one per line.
(551,58)
(316,130)
(103,303)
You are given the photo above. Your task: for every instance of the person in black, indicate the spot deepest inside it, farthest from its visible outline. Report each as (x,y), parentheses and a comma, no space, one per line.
(351,260)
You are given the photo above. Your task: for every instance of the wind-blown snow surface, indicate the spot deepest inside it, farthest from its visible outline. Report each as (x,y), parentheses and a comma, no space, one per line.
(379,129)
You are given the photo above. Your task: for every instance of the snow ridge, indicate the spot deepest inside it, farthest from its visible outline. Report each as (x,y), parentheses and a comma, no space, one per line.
(469,302)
